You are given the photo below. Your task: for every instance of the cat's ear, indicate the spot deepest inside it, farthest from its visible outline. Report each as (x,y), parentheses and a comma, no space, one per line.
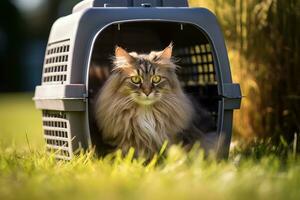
(120,52)
(167,52)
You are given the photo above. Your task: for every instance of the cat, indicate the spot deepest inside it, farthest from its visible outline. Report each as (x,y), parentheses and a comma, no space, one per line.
(142,104)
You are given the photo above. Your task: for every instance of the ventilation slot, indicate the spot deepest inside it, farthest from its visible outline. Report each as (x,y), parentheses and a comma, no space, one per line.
(56,133)
(197,75)
(56,62)
(197,66)
(60,154)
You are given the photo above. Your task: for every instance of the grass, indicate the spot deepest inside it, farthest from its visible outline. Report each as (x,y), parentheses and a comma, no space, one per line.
(18,119)
(28,173)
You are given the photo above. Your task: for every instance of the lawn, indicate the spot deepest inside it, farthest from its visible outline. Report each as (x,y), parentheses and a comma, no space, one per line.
(26,172)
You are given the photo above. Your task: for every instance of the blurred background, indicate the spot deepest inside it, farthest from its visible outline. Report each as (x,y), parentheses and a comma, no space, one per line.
(263,40)
(262,37)
(24,30)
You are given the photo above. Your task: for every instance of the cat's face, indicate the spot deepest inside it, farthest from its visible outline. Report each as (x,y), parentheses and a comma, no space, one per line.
(146,82)
(146,78)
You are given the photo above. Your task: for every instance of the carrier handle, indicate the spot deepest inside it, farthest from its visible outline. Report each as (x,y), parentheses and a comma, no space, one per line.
(85,4)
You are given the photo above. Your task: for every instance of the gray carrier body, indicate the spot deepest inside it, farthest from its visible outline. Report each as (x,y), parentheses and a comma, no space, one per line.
(87,37)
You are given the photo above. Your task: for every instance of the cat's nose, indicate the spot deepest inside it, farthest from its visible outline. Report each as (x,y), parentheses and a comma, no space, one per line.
(146,88)
(147,91)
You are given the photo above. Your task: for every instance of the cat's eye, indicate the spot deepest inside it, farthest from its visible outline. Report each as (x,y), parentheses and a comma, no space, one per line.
(156,79)
(136,79)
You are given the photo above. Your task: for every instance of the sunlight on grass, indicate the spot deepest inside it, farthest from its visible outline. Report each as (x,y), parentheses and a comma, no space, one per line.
(19,117)
(178,176)
(255,172)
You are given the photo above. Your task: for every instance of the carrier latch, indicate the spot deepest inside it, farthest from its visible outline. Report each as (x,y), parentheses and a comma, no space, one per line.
(232,96)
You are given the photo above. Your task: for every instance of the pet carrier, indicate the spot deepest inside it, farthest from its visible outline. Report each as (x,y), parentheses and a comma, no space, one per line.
(84,41)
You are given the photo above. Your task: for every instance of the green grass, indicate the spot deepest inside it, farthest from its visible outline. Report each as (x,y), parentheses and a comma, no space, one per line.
(19,119)
(28,173)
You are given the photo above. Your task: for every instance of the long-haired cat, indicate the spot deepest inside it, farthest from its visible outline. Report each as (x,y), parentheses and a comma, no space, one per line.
(142,104)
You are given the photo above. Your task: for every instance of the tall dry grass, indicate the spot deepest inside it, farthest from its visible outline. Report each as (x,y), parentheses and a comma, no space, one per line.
(263,40)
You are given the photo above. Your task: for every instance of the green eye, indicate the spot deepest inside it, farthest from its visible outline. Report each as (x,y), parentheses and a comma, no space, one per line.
(136,79)
(156,79)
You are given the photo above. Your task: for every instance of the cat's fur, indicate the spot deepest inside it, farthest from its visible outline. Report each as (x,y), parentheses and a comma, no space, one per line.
(143,115)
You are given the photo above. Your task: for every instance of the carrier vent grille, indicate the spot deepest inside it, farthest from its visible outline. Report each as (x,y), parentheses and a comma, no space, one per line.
(56,133)
(56,62)
(197,66)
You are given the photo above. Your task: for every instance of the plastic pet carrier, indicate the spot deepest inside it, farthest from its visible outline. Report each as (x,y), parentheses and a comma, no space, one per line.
(82,43)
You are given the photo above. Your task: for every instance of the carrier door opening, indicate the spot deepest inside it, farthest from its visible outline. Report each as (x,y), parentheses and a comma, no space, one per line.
(192,49)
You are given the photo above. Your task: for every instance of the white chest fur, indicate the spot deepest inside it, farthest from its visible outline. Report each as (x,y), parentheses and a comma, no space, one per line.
(146,121)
